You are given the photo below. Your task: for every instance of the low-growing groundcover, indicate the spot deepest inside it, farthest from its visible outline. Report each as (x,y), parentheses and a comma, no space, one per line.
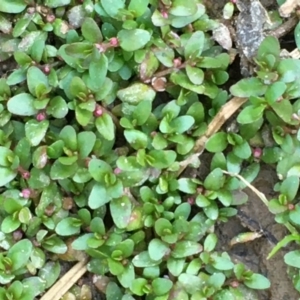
(97,122)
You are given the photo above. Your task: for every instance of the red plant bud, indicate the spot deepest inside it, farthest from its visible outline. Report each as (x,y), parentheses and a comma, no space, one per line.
(41,116)
(114,42)
(257,152)
(117,171)
(234,284)
(47,69)
(25,175)
(164,14)
(98,112)
(177,62)
(26,193)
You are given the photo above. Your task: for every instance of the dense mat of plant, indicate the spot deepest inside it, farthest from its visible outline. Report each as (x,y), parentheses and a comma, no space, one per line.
(107,101)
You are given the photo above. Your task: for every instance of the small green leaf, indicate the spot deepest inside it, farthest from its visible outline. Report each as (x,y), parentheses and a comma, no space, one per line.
(163,227)
(90,31)
(68,226)
(68,135)
(36,77)
(50,273)
(217,142)
(248,87)
(158,249)
(195,44)
(62,171)
(182,8)
(162,159)
(210,242)
(98,196)
(257,282)
(161,286)
(195,75)
(21,105)
(214,180)
(19,253)
(251,113)
(6,175)
(35,131)
(98,70)
(284,110)
(106,126)
(137,139)
(270,45)
(191,283)
(12,7)
(186,185)
(175,266)
(294,215)
(242,150)
(181,79)
(136,93)
(99,169)
(57,3)
(134,39)
(57,107)
(275,91)
(9,224)
(138,7)
(138,285)
(143,260)
(120,210)
(292,258)
(113,9)
(289,187)
(221,263)
(86,142)
(142,112)
(186,248)
(182,123)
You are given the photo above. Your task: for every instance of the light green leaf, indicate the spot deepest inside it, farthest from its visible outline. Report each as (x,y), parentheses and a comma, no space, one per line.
(183,8)
(6,175)
(35,131)
(121,207)
(136,93)
(12,6)
(90,31)
(134,39)
(248,87)
(258,282)
(21,105)
(57,3)
(98,196)
(106,126)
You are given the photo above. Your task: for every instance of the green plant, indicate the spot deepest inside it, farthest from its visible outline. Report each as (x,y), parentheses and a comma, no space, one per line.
(102,113)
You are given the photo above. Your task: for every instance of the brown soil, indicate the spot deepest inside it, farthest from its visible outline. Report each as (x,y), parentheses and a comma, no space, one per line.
(254,254)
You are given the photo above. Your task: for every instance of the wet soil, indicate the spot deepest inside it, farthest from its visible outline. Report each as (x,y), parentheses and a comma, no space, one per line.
(255,216)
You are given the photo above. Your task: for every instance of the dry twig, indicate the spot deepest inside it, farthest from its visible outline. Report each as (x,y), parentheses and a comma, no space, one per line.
(63,285)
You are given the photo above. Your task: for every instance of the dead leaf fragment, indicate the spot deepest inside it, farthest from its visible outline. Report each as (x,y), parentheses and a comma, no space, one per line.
(222,36)
(288,7)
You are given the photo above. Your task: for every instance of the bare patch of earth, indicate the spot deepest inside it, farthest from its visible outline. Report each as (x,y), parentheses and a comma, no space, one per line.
(254,215)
